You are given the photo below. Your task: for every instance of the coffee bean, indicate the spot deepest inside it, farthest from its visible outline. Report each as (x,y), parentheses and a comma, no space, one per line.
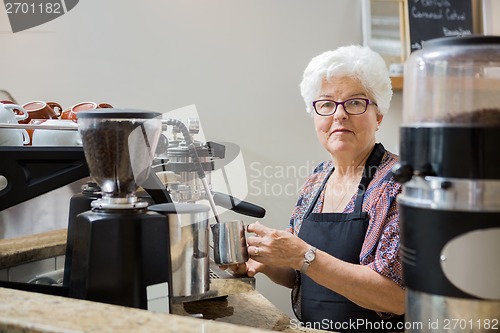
(483,117)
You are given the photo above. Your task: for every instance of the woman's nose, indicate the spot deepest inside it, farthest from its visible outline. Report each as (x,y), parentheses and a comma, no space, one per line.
(340,113)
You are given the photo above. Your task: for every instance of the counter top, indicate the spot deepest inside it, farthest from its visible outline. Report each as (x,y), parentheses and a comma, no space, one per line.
(16,251)
(27,312)
(248,308)
(22,311)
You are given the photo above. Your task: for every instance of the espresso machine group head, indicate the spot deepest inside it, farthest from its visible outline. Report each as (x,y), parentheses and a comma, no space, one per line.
(183,162)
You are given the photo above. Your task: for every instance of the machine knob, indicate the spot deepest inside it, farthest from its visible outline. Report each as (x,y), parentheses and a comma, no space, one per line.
(162,146)
(402,172)
(193,125)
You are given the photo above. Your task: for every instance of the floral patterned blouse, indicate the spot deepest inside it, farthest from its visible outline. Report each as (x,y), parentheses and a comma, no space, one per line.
(380,249)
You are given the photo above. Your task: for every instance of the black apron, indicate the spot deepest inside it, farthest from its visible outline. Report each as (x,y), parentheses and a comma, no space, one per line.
(340,235)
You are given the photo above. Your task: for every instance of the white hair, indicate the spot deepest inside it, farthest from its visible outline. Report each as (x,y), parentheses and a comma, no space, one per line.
(355,61)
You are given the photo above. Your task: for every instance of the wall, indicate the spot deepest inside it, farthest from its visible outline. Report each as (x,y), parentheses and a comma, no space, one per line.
(239,62)
(490,12)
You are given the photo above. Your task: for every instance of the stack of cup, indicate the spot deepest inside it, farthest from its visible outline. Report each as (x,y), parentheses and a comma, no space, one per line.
(46,114)
(11,113)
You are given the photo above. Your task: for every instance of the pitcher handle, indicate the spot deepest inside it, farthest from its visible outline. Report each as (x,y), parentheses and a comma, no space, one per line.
(19,112)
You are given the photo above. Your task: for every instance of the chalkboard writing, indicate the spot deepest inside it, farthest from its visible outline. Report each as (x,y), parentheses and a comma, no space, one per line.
(430,19)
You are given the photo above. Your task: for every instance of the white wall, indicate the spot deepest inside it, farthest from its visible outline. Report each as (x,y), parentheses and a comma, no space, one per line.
(240,63)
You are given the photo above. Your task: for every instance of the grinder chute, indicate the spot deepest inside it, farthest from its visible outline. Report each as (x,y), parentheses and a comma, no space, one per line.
(450,170)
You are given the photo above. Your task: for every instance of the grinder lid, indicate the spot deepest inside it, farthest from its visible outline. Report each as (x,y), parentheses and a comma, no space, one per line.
(462,41)
(117,113)
(179,208)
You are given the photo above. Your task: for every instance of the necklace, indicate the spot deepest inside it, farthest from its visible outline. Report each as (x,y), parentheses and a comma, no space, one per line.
(345,189)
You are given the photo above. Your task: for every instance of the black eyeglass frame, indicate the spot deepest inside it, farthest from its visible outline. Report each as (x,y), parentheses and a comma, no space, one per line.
(367,100)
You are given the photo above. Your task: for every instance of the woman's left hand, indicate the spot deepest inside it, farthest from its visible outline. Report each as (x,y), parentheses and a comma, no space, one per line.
(249,268)
(275,248)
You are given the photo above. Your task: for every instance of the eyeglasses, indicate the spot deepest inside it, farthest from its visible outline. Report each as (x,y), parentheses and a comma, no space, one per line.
(353,106)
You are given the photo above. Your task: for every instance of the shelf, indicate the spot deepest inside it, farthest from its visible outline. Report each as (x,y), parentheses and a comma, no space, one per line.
(397,82)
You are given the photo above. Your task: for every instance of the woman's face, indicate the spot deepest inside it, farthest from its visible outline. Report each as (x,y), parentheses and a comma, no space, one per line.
(342,132)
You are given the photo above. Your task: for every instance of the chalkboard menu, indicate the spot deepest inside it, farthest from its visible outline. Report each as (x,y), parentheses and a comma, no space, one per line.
(428,19)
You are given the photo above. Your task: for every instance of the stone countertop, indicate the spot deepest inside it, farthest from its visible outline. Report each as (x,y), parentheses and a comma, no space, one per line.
(16,251)
(248,308)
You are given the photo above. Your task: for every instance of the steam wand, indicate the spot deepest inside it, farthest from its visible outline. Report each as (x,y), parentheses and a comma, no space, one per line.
(197,164)
(210,198)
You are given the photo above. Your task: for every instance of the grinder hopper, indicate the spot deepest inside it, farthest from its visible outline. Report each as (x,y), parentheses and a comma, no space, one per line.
(119,146)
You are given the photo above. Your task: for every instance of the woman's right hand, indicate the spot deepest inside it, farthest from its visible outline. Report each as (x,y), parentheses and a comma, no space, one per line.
(238,269)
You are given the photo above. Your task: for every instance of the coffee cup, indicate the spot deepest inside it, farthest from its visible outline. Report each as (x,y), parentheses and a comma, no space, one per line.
(57,137)
(41,110)
(30,130)
(71,113)
(12,136)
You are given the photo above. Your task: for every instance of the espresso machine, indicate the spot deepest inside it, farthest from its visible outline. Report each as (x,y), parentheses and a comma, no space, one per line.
(450,202)
(120,251)
(175,187)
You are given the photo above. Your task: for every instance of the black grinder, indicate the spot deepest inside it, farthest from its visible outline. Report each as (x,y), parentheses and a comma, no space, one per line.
(450,204)
(120,250)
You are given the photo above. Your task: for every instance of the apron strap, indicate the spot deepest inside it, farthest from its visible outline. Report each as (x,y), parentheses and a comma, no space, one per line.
(318,193)
(370,168)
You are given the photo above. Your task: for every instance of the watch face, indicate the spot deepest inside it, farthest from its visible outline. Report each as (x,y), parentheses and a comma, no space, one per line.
(309,255)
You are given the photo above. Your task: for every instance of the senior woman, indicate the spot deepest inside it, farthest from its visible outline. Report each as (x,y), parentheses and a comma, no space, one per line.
(340,251)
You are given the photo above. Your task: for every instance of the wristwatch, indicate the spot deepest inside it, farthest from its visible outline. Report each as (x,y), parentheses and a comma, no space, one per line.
(309,257)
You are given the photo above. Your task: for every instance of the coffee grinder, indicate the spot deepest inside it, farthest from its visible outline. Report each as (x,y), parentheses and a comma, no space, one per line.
(449,167)
(121,251)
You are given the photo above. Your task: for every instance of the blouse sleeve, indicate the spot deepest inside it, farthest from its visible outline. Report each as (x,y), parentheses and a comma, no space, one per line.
(386,260)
